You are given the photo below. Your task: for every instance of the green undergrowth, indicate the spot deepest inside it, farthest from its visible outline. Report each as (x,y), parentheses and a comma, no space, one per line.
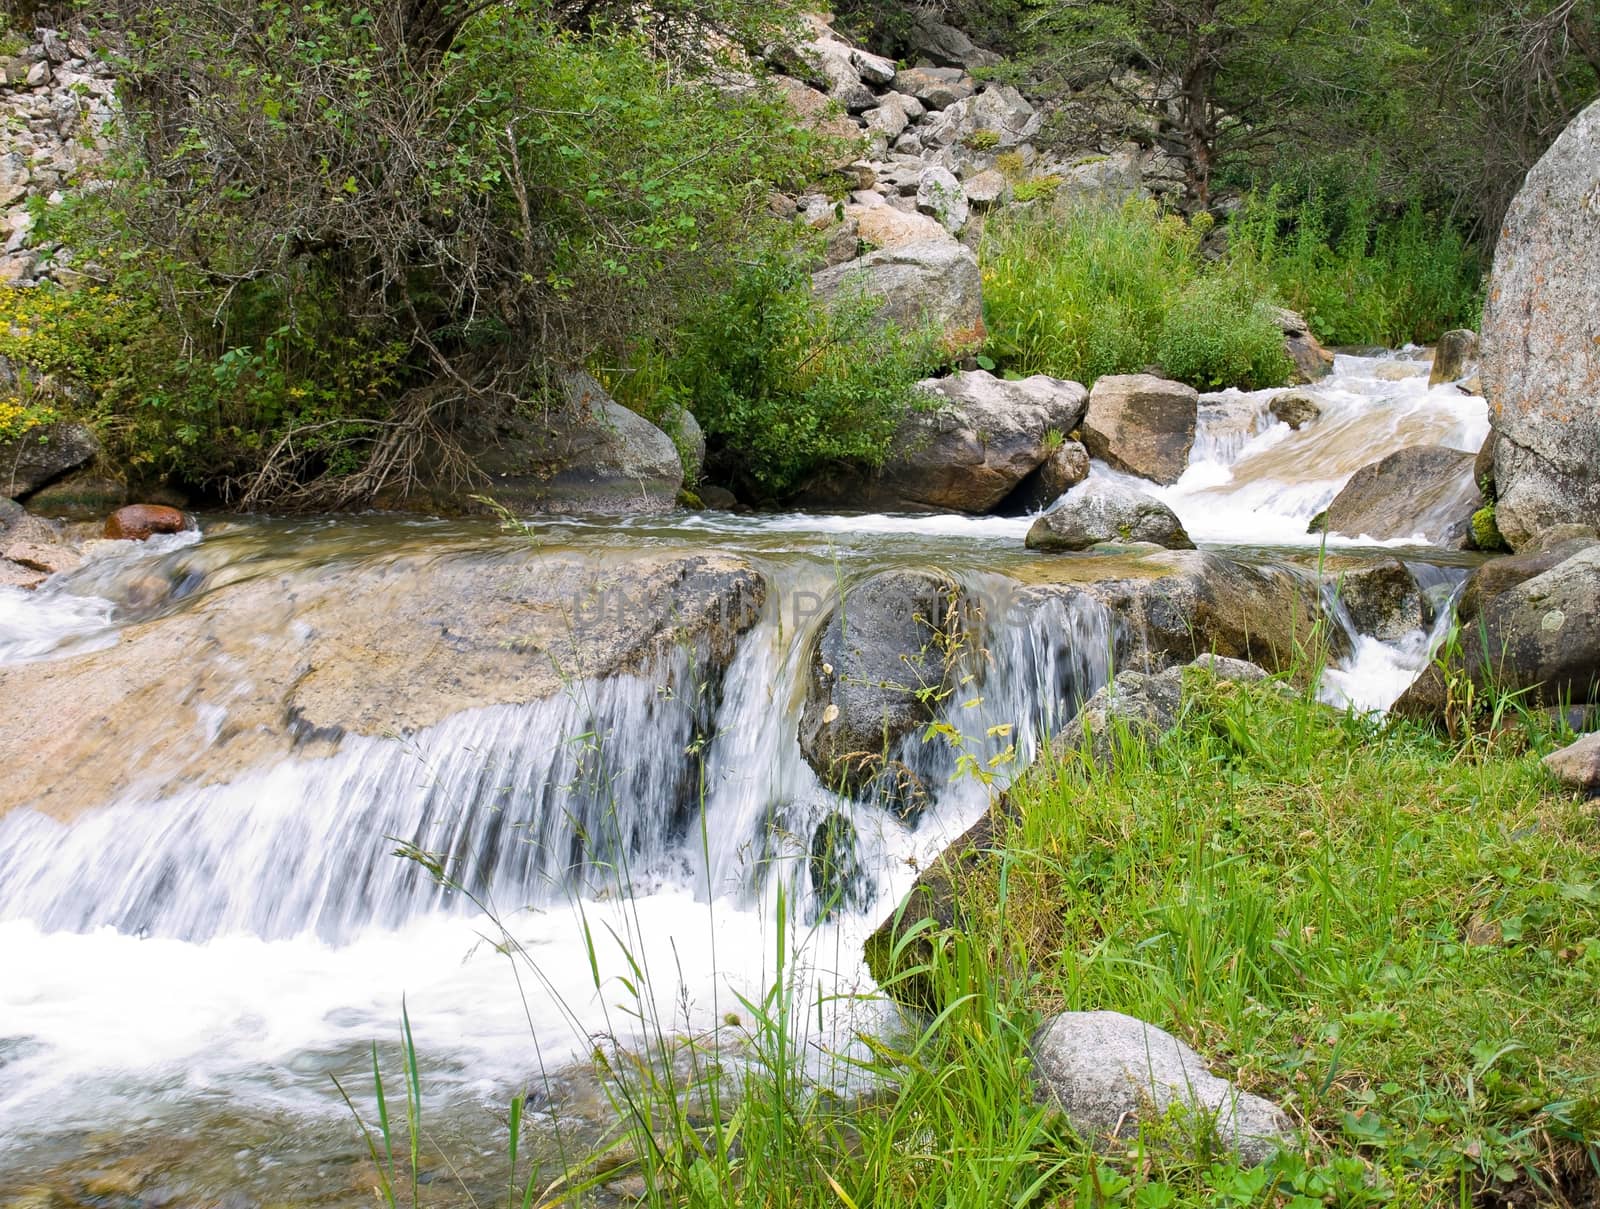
(1083,292)
(1360,275)
(1394,936)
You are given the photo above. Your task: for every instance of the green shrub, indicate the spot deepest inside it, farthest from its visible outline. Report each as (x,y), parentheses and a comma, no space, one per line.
(1095,291)
(1221,331)
(983,140)
(1036,187)
(1359,274)
(340,253)
(784,386)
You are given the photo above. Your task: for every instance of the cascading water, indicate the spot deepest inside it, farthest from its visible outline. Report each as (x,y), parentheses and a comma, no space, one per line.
(232,941)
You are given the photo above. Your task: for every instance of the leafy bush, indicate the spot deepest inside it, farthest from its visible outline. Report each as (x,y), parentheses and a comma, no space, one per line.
(784,386)
(1095,291)
(1221,332)
(348,227)
(1359,274)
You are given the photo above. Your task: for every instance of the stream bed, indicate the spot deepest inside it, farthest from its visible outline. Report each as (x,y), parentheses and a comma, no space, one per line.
(184,971)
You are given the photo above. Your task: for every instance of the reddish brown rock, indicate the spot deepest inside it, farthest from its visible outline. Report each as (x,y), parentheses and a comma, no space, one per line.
(138,522)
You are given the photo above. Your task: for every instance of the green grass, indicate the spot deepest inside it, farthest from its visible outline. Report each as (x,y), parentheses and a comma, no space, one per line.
(1359,275)
(1083,292)
(1395,936)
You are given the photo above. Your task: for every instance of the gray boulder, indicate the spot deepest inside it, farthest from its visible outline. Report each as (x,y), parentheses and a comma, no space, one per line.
(1142,424)
(1096,180)
(1177,605)
(999,109)
(1541,364)
(882,660)
(1108,1072)
(945,44)
(966,453)
(584,453)
(1577,766)
(42,455)
(1094,512)
(1453,356)
(1500,575)
(940,196)
(1540,638)
(935,87)
(1383,601)
(927,284)
(1424,491)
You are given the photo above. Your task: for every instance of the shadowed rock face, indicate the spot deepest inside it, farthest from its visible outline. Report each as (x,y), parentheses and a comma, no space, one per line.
(1425,490)
(978,439)
(881,662)
(1541,362)
(261,667)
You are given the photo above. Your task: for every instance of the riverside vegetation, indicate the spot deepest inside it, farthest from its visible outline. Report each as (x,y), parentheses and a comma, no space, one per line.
(1393,933)
(427,211)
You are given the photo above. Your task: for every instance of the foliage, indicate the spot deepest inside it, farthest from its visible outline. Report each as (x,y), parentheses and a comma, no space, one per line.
(1357,276)
(1084,292)
(358,224)
(785,386)
(1221,331)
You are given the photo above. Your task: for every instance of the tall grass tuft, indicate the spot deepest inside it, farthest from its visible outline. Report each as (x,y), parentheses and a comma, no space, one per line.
(1359,275)
(1084,292)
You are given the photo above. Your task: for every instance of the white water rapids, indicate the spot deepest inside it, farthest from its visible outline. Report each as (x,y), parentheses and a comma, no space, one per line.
(224,948)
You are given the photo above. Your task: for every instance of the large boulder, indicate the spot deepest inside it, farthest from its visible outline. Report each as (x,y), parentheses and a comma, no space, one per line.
(236,673)
(584,452)
(966,453)
(940,196)
(42,455)
(935,87)
(1500,575)
(1424,491)
(1098,511)
(933,285)
(1142,424)
(887,227)
(883,657)
(820,114)
(1111,1073)
(1178,605)
(1541,361)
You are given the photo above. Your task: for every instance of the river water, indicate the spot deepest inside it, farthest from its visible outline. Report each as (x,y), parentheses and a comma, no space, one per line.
(181,973)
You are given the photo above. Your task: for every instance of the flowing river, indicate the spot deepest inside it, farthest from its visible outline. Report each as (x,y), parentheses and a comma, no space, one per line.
(181,971)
